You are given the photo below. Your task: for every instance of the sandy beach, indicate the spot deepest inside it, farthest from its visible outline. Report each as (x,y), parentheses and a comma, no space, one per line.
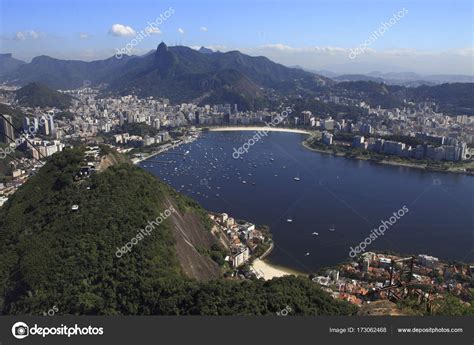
(268,271)
(257,128)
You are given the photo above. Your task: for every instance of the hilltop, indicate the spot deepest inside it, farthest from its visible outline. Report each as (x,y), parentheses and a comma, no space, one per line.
(9,64)
(39,95)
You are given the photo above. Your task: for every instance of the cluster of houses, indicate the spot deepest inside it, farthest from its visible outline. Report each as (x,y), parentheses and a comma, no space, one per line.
(242,238)
(369,278)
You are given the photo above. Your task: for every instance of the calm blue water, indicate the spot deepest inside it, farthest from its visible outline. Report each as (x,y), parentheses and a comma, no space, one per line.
(339,198)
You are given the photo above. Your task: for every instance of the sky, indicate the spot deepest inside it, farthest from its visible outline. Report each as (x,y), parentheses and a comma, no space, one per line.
(359,36)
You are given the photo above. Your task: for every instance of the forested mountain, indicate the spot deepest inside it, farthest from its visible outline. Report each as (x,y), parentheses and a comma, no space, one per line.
(455,98)
(53,255)
(39,95)
(66,74)
(9,64)
(179,73)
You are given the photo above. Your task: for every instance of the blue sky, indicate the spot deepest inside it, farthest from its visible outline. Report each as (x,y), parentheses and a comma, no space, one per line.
(314,34)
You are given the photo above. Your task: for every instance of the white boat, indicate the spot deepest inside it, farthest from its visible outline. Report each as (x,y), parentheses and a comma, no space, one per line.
(315,233)
(244,181)
(297,178)
(307,254)
(289,220)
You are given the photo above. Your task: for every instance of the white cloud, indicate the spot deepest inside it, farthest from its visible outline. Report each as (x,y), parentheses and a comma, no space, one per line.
(181,31)
(336,59)
(316,49)
(84,35)
(24,35)
(203,28)
(217,48)
(121,30)
(464,51)
(20,36)
(214,48)
(152,31)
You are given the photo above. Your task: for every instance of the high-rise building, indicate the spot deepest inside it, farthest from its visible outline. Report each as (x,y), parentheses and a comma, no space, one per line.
(26,124)
(358,141)
(156,123)
(44,126)
(328,124)
(35,125)
(366,129)
(7,134)
(51,123)
(327,138)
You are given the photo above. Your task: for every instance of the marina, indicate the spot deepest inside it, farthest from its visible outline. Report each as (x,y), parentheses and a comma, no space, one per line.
(334,205)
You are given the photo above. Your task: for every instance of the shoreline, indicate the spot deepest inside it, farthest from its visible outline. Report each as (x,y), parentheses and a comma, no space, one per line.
(258,128)
(304,143)
(261,266)
(135,161)
(386,162)
(266,270)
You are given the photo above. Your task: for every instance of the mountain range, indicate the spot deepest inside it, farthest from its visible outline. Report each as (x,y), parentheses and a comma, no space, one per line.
(408,79)
(9,64)
(178,73)
(203,76)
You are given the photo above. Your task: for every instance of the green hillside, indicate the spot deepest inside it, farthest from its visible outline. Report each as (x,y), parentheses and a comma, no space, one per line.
(39,95)
(52,255)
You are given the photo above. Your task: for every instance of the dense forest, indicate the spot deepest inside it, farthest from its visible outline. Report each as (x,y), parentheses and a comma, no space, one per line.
(55,256)
(39,95)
